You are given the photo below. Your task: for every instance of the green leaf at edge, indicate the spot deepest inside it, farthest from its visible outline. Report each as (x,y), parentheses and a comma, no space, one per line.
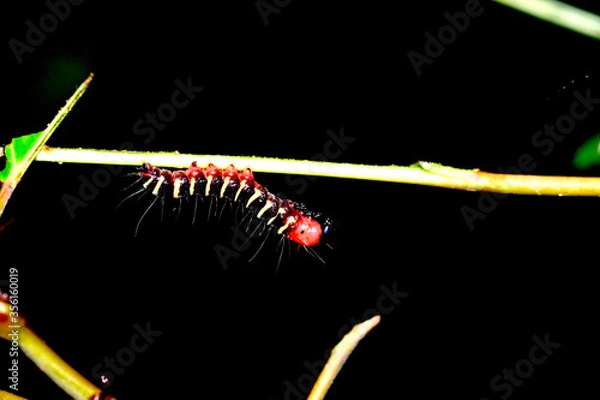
(588,154)
(17,152)
(20,153)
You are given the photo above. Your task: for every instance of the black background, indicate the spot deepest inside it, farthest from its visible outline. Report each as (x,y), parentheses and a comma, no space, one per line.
(475,297)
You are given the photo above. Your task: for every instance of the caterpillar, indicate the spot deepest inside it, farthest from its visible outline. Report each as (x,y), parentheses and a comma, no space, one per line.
(292,220)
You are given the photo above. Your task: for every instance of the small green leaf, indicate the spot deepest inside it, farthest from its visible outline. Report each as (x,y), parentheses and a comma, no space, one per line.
(18,153)
(588,154)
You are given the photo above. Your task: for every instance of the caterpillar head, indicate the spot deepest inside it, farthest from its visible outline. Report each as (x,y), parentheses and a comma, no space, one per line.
(329,232)
(313,228)
(307,231)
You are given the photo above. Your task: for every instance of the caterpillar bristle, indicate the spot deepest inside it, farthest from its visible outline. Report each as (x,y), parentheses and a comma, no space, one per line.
(259,247)
(137,227)
(134,183)
(313,253)
(129,197)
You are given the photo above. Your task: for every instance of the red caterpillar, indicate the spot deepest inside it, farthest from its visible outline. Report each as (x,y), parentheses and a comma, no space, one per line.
(287,218)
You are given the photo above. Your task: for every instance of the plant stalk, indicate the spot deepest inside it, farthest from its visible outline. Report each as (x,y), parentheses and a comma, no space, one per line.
(420,173)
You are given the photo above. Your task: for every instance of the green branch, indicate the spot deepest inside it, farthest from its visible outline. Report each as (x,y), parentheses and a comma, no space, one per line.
(22,150)
(338,357)
(420,173)
(13,328)
(560,14)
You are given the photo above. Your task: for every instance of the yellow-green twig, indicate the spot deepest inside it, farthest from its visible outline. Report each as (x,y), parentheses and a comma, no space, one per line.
(65,376)
(420,173)
(17,171)
(339,355)
(9,396)
(559,13)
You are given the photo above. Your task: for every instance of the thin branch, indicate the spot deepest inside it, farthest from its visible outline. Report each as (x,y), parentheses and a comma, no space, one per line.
(559,13)
(65,376)
(9,396)
(420,173)
(338,357)
(17,169)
